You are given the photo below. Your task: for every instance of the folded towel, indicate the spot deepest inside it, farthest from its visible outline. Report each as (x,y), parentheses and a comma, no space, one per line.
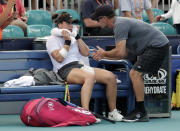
(22,81)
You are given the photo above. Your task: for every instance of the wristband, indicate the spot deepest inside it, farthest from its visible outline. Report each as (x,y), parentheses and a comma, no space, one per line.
(67,42)
(77,37)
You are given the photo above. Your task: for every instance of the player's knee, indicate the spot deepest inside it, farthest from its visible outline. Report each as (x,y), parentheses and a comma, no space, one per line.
(110,77)
(90,78)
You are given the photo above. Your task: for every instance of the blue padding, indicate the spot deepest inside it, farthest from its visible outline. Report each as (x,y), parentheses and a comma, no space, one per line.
(9,75)
(16,44)
(25,64)
(23,54)
(37,89)
(28,96)
(52,88)
(13,64)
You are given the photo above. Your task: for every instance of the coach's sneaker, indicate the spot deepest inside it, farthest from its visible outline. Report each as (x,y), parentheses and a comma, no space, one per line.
(136,116)
(115,115)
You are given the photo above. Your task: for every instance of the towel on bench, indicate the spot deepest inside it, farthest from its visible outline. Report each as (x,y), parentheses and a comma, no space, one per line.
(33,77)
(22,81)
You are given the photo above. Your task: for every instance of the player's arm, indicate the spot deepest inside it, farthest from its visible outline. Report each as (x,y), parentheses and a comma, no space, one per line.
(83,48)
(60,54)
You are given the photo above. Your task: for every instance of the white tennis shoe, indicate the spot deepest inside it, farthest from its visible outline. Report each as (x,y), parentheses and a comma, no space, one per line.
(115,115)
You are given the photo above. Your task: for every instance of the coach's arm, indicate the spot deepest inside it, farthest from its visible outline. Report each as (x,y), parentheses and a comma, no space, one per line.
(119,52)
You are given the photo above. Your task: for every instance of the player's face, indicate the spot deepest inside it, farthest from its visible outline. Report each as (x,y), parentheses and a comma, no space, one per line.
(66,25)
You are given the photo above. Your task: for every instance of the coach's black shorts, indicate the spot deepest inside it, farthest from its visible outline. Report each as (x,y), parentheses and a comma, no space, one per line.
(66,69)
(151,60)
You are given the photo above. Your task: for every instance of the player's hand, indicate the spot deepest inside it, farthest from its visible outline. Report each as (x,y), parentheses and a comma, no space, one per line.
(78,28)
(66,35)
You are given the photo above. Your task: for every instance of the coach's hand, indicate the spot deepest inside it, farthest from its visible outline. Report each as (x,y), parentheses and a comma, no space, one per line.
(98,54)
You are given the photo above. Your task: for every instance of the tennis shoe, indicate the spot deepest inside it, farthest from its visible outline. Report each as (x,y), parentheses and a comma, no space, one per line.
(115,115)
(136,116)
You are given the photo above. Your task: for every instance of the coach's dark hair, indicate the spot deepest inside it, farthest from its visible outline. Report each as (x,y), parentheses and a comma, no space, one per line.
(111,16)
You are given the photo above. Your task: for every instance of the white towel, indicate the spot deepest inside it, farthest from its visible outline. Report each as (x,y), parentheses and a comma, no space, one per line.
(58,32)
(22,81)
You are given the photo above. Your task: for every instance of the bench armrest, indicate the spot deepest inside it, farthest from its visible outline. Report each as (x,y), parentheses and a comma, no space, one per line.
(124,62)
(122,73)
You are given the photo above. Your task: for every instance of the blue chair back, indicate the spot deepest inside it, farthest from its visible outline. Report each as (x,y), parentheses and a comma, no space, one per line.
(166,28)
(170,21)
(12,31)
(38,30)
(40,17)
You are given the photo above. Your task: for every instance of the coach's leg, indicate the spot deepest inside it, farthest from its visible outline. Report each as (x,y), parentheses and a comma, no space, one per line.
(138,84)
(139,113)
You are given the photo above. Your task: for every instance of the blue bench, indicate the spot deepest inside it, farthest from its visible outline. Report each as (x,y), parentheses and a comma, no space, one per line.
(13,64)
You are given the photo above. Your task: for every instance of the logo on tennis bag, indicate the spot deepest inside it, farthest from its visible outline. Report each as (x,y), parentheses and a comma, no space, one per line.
(52,113)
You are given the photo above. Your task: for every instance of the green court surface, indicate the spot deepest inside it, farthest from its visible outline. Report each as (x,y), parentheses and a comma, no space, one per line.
(13,123)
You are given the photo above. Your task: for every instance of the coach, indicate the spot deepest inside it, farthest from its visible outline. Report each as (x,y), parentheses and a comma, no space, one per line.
(136,37)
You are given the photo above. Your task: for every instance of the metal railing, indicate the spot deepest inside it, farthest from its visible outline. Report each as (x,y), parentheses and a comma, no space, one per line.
(163,6)
(72,4)
(76,4)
